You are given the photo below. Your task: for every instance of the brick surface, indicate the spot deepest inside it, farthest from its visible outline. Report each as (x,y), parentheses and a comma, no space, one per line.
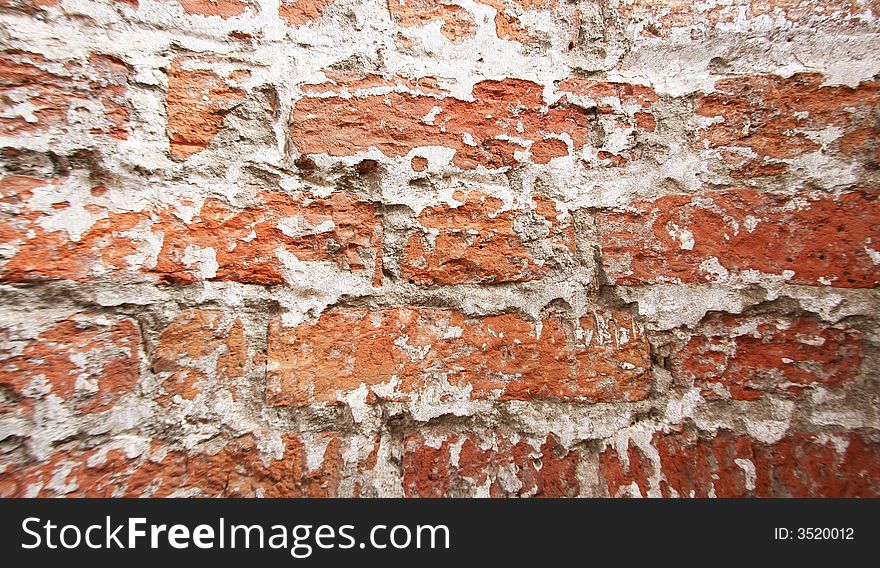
(476,242)
(727,465)
(653,19)
(408,353)
(431,248)
(44,252)
(779,118)
(813,240)
(42,94)
(505,119)
(235,470)
(493,464)
(221,8)
(744,358)
(302,12)
(200,350)
(250,244)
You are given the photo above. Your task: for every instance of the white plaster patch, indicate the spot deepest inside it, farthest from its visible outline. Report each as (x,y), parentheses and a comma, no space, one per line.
(202,260)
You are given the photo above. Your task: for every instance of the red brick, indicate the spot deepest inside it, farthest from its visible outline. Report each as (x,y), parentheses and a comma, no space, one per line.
(360,83)
(545,150)
(728,465)
(237,469)
(223,8)
(42,254)
(601,358)
(660,16)
(200,350)
(459,23)
(657,18)
(419,164)
(480,131)
(820,239)
(508,25)
(301,12)
(491,459)
(795,10)
(28,4)
(476,242)
(772,116)
(87,361)
(606,94)
(744,358)
(198,101)
(246,241)
(52,90)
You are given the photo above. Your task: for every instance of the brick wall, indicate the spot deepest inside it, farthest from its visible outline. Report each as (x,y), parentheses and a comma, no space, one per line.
(439,248)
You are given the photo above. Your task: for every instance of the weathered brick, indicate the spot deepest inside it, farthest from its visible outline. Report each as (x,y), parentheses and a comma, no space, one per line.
(39,94)
(609,95)
(730,465)
(394,123)
(744,358)
(779,118)
(507,23)
(301,12)
(794,10)
(219,242)
(360,84)
(223,8)
(808,239)
(200,350)
(492,462)
(419,163)
(30,5)
(407,353)
(458,23)
(36,249)
(247,245)
(198,100)
(203,164)
(52,255)
(658,18)
(505,119)
(87,361)
(25,4)
(477,242)
(235,469)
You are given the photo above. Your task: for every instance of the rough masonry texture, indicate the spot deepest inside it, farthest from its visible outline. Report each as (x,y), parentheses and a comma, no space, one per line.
(436,248)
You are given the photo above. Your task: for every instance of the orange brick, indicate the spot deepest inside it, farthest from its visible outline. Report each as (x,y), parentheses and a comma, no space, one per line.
(682,238)
(477,243)
(601,358)
(729,465)
(744,358)
(87,361)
